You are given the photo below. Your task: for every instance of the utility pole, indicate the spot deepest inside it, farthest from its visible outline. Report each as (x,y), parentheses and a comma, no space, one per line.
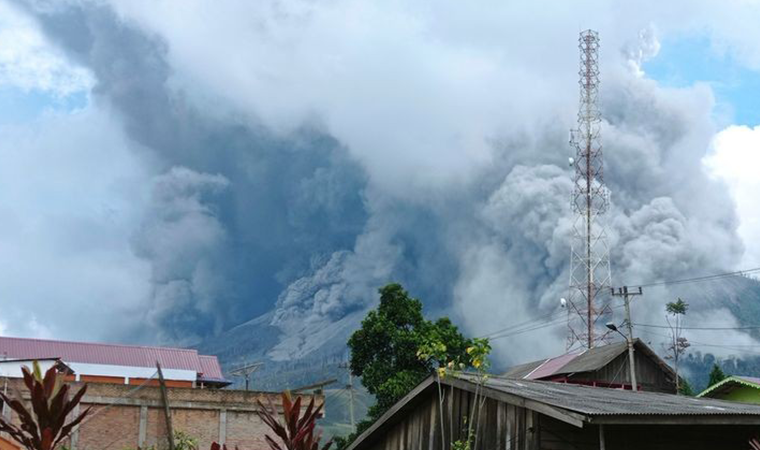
(626,294)
(350,388)
(167,410)
(589,252)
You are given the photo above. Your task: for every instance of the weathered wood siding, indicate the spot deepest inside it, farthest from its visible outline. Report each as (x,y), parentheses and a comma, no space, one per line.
(649,375)
(501,426)
(504,426)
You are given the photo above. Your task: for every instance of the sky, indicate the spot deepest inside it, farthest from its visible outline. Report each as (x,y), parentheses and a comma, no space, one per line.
(168,173)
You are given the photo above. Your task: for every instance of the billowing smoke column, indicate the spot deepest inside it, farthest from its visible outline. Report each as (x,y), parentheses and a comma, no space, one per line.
(304,222)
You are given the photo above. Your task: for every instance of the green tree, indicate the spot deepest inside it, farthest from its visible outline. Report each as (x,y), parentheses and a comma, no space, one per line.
(716,375)
(385,350)
(685,388)
(678,344)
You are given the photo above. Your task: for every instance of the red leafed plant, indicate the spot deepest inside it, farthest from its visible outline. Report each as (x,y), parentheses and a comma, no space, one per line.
(44,427)
(216,446)
(297,432)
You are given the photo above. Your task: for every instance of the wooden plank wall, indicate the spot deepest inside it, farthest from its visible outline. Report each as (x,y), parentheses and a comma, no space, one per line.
(501,426)
(650,376)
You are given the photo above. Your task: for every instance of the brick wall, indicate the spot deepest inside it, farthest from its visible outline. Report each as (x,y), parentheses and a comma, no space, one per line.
(124,418)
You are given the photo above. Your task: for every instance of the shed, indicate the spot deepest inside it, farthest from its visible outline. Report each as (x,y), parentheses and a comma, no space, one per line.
(533,415)
(603,366)
(736,389)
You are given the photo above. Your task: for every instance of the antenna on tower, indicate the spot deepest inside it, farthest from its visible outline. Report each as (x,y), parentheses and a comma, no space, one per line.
(589,255)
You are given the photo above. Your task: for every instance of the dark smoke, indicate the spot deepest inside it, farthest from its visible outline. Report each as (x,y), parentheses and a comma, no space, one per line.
(245,219)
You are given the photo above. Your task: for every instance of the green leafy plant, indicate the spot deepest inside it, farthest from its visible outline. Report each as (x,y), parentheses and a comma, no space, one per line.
(384,351)
(183,441)
(44,427)
(476,357)
(396,348)
(297,432)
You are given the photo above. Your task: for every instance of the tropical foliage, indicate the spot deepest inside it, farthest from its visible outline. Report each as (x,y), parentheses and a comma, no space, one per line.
(43,427)
(297,432)
(396,348)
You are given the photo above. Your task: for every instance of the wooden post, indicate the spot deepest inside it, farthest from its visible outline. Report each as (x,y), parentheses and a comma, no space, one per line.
(167,410)
(601,437)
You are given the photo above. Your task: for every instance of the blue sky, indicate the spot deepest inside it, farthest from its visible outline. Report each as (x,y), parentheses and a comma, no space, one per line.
(686,60)
(18,105)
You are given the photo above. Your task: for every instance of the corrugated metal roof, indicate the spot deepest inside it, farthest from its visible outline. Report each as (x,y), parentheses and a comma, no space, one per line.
(111,354)
(210,369)
(586,361)
(551,367)
(592,401)
(595,358)
(523,370)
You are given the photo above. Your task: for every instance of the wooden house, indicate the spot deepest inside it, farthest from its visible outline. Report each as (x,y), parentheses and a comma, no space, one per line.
(538,415)
(603,366)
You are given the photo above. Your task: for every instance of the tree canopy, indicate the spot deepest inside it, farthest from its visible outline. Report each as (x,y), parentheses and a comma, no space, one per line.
(385,350)
(716,375)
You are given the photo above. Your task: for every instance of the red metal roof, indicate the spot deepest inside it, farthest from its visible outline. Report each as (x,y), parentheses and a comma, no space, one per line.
(550,366)
(210,368)
(111,354)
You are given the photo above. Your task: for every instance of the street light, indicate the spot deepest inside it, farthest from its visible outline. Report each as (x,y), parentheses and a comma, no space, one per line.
(611,326)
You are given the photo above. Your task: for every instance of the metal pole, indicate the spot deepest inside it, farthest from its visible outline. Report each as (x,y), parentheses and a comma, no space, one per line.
(601,437)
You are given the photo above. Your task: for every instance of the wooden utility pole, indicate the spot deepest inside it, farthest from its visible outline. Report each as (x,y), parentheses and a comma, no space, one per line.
(167,410)
(626,294)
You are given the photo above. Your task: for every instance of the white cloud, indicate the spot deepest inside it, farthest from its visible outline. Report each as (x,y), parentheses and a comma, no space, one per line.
(417,91)
(29,62)
(736,161)
(71,193)
(420,91)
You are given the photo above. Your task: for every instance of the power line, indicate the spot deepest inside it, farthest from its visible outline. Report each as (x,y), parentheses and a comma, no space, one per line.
(699,328)
(736,347)
(716,276)
(524,323)
(517,326)
(532,325)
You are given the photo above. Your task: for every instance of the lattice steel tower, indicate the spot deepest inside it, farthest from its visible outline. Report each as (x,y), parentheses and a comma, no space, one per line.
(589,256)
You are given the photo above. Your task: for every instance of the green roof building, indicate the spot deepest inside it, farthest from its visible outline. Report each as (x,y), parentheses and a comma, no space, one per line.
(735,389)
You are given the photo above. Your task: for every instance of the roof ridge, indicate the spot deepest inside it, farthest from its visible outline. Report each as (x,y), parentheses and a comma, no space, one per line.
(731,378)
(151,347)
(535,369)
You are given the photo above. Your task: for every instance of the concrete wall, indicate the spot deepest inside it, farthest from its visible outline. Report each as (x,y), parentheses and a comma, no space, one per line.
(123,417)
